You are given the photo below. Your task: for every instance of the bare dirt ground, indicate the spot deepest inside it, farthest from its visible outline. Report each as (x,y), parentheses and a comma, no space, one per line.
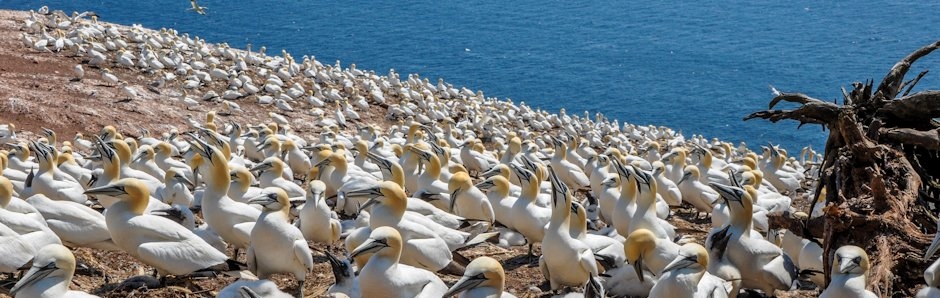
(37,90)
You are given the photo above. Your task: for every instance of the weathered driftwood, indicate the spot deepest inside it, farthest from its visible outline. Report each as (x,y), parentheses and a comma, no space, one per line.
(878,169)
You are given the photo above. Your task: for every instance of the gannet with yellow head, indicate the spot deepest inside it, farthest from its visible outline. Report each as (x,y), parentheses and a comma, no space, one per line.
(384,276)
(484,278)
(50,275)
(685,276)
(276,245)
(154,240)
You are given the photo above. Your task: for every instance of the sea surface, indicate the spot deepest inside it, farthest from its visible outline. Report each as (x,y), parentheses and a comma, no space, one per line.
(696,67)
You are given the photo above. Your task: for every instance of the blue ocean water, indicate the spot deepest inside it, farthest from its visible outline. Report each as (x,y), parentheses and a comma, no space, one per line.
(696,67)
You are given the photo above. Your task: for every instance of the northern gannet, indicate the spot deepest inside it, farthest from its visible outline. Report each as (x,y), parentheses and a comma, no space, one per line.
(484,278)
(276,245)
(383,276)
(565,261)
(74,223)
(185,217)
(24,219)
(426,243)
(154,240)
(527,217)
(16,250)
(497,188)
(230,219)
(272,169)
(684,276)
(467,201)
(315,220)
(746,261)
(693,191)
(45,181)
(241,189)
(252,288)
(849,269)
(608,251)
(50,275)
(176,189)
(645,216)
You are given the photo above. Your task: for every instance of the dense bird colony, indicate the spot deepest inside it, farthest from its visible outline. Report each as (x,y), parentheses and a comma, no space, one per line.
(455,171)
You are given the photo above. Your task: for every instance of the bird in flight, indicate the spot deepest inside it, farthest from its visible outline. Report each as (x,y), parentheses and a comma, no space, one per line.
(199,9)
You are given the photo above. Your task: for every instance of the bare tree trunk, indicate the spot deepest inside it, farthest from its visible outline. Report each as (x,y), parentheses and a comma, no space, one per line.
(879,168)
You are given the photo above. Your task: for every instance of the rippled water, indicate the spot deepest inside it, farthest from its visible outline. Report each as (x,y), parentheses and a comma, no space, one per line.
(696,67)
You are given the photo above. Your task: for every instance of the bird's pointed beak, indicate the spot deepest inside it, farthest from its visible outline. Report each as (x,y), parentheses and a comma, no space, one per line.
(182,179)
(729,193)
(465,283)
(370,246)
(679,263)
(261,167)
(485,185)
(34,275)
(685,176)
(171,213)
(110,190)
(638,268)
(848,264)
(264,199)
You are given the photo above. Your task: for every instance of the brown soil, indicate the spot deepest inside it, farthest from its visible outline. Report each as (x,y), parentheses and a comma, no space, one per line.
(36,91)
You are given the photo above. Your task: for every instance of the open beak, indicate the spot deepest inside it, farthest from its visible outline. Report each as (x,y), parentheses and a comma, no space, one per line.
(465,283)
(34,275)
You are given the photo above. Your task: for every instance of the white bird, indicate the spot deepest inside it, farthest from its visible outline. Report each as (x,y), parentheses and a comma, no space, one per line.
(749,262)
(129,92)
(315,220)
(276,245)
(23,219)
(109,77)
(79,72)
(156,241)
(468,201)
(383,276)
(50,275)
(849,267)
(565,261)
(484,278)
(695,192)
(683,277)
(74,223)
(185,217)
(16,250)
(232,220)
(252,288)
